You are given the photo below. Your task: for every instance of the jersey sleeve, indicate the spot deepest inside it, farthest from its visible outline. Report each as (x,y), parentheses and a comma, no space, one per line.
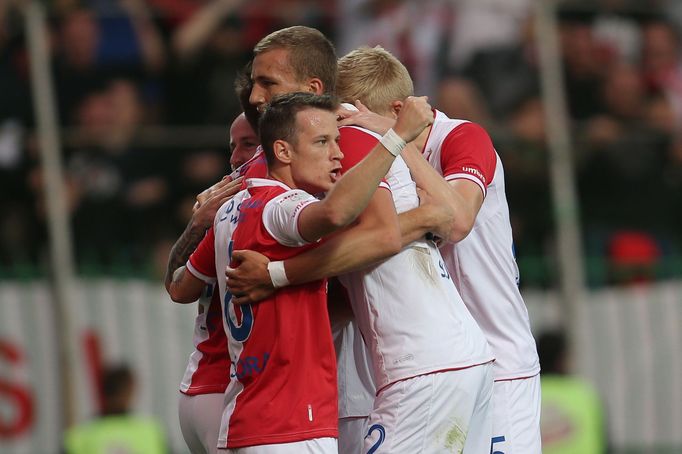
(467,152)
(202,261)
(280,217)
(355,144)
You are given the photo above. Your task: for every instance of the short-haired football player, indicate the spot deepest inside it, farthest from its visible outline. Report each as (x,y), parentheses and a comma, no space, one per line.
(282,393)
(479,251)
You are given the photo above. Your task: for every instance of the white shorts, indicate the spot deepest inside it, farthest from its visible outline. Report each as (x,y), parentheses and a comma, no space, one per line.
(200,417)
(434,413)
(351,435)
(516,416)
(315,446)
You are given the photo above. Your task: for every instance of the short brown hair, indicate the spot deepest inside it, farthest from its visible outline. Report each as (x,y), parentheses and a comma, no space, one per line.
(242,88)
(375,77)
(278,121)
(311,54)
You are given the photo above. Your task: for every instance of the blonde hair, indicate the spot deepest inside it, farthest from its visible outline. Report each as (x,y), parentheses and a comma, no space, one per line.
(375,77)
(311,54)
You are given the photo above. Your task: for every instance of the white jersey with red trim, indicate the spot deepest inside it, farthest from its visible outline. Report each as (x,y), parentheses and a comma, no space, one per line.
(407,307)
(209,363)
(483,265)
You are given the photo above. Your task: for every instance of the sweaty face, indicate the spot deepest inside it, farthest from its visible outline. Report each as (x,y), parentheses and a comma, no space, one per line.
(243,142)
(316,159)
(272,76)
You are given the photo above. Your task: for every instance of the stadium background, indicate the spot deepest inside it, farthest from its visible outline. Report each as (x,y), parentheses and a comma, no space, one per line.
(143,98)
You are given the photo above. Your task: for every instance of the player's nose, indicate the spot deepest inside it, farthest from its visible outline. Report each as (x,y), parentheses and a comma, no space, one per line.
(257,98)
(336,151)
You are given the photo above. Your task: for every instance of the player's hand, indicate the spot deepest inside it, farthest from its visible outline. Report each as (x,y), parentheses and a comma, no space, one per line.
(203,195)
(413,118)
(210,200)
(250,281)
(440,217)
(364,118)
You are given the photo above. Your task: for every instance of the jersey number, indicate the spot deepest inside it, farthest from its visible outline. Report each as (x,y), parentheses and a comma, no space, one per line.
(382,437)
(239,331)
(492,444)
(443,270)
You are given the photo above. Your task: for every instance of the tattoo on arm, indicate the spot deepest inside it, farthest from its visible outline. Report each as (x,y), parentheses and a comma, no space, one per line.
(182,249)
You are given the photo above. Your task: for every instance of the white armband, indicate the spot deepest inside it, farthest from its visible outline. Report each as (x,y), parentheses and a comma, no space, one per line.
(393,142)
(277,274)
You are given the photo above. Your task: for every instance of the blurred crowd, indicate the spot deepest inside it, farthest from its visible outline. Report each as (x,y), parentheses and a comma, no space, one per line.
(142,86)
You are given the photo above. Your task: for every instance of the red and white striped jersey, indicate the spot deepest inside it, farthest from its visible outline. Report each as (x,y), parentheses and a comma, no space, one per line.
(209,364)
(283,374)
(483,265)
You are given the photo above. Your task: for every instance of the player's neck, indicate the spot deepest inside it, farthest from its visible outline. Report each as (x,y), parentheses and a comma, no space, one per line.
(283,175)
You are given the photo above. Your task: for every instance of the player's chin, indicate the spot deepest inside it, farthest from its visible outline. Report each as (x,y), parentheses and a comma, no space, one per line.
(324,186)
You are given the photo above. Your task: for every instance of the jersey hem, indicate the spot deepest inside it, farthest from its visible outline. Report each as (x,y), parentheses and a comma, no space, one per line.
(199,275)
(204,389)
(520,376)
(437,370)
(466,176)
(276,439)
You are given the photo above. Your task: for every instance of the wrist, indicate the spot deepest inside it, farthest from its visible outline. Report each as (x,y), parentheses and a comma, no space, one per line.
(197,226)
(278,275)
(393,142)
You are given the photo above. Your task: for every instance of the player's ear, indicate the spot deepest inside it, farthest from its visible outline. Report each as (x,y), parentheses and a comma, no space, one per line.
(396,106)
(282,150)
(316,86)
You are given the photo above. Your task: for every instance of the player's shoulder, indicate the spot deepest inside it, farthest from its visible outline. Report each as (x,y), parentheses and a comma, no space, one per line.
(444,126)
(358,133)
(447,129)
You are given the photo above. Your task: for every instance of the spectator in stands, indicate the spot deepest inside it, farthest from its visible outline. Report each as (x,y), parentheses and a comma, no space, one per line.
(116,429)
(112,177)
(572,415)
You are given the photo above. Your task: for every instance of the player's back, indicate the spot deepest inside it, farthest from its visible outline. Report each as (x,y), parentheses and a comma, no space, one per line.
(483,265)
(283,375)
(407,307)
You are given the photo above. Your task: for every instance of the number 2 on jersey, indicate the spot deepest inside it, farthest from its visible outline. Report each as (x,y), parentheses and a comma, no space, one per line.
(382,437)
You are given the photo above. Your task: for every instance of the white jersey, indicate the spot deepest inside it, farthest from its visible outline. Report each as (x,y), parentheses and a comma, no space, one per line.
(355,381)
(407,307)
(483,265)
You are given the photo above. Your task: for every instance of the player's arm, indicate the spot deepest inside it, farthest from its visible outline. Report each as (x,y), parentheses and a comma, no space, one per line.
(468,199)
(414,224)
(377,235)
(373,237)
(351,194)
(203,214)
(185,287)
(468,160)
(467,146)
(188,281)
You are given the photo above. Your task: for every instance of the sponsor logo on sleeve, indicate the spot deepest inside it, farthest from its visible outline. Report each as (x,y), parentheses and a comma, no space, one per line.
(475,172)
